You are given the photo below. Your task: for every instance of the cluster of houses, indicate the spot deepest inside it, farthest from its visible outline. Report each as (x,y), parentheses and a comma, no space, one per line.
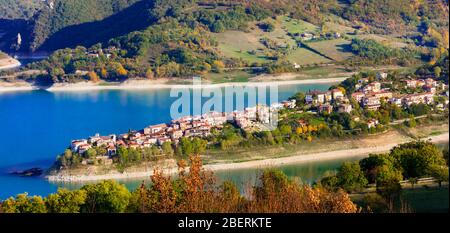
(308,36)
(96,53)
(370,94)
(327,101)
(188,126)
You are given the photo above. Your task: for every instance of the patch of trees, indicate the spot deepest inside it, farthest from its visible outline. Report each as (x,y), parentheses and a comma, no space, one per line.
(409,161)
(394,16)
(195,191)
(79,64)
(133,18)
(266,26)
(171,49)
(439,70)
(235,18)
(24,9)
(372,52)
(68,13)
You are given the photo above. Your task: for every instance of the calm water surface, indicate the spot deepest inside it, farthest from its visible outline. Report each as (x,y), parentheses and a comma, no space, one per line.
(38,125)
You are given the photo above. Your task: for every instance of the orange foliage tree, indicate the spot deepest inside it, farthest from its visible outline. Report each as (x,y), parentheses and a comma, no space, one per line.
(196,191)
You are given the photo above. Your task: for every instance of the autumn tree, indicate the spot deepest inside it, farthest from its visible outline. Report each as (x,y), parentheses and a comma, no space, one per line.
(120,70)
(218,66)
(149,73)
(162,195)
(140,200)
(93,77)
(104,73)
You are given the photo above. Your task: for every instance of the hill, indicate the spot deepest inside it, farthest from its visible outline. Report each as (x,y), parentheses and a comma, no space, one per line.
(20,9)
(67,13)
(85,22)
(119,39)
(397,16)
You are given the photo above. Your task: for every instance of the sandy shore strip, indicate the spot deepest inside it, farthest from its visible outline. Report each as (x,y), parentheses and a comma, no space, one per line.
(16,86)
(155,84)
(296,159)
(149,84)
(9,63)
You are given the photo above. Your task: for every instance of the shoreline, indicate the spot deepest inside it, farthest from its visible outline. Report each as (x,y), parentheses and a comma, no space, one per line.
(11,64)
(158,84)
(264,163)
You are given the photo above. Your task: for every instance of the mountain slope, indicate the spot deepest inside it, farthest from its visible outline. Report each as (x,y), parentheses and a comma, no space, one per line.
(19,9)
(133,18)
(67,13)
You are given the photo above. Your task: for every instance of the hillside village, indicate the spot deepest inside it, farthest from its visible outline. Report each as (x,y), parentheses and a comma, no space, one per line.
(369,95)
(252,118)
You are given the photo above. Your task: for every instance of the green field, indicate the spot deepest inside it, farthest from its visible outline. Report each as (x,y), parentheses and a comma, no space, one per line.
(230,76)
(338,24)
(303,56)
(386,40)
(335,27)
(337,49)
(248,46)
(323,71)
(424,200)
(238,44)
(297,26)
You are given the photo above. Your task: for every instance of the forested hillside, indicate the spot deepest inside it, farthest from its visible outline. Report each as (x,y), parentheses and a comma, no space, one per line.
(66,13)
(397,16)
(68,23)
(120,39)
(19,9)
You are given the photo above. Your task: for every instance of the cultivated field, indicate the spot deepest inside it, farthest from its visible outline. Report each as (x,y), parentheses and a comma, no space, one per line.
(338,49)
(248,46)
(238,44)
(296,26)
(303,56)
(229,76)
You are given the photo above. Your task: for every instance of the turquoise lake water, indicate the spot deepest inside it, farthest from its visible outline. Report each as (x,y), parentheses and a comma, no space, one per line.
(38,125)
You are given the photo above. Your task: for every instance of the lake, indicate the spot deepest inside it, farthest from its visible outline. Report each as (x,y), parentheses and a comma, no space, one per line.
(38,125)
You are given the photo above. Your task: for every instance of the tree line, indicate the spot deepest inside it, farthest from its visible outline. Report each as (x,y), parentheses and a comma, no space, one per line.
(196,191)
(409,161)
